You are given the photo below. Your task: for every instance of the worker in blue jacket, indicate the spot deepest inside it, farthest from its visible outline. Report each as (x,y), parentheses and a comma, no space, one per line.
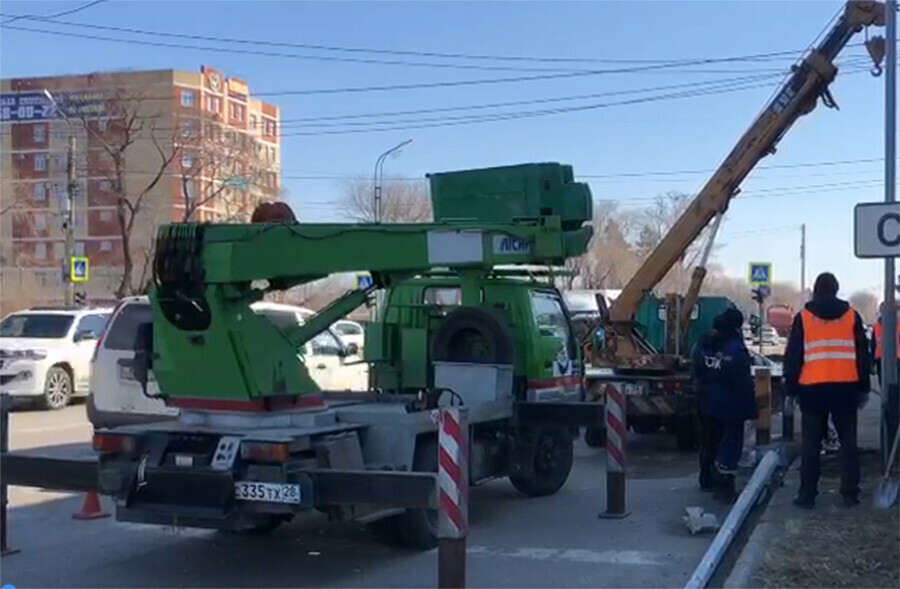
(721,370)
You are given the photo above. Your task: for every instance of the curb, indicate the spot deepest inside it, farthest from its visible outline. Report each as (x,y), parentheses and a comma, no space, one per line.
(752,554)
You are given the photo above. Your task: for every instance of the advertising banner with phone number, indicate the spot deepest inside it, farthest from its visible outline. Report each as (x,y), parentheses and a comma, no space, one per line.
(37,107)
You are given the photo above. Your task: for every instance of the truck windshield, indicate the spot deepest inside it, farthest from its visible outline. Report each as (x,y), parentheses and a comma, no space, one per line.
(33,325)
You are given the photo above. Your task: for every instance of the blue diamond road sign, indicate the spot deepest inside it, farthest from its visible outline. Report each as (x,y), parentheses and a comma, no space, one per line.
(79,269)
(760,274)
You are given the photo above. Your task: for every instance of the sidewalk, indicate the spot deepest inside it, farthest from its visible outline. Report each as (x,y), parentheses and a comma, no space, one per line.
(829,546)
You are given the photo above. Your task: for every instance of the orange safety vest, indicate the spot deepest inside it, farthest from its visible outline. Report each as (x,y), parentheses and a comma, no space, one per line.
(829,349)
(878,330)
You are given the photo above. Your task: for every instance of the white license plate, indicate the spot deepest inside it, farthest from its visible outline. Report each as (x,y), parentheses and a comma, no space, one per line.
(126,373)
(268,492)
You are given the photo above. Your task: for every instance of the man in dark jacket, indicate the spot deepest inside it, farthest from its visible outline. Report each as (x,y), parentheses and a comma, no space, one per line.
(721,370)
(826,365)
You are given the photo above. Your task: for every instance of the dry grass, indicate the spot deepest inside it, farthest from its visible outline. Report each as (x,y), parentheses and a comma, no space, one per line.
(833,546)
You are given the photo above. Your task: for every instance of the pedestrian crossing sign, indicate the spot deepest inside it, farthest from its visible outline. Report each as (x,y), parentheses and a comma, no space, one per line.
(760,274)
(78,270)
(363,281)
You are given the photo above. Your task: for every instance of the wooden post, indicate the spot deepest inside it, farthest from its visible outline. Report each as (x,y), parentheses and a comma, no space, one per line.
(763,387)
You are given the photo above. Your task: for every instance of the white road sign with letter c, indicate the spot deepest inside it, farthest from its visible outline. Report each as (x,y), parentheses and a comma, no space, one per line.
(876,228)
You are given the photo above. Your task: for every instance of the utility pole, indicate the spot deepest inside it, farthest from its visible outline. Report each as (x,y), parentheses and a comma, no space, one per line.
(69,213)
(803,263)
(69,223)
(890,389)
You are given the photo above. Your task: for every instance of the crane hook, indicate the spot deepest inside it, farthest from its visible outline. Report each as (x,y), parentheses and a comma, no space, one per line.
(876,71)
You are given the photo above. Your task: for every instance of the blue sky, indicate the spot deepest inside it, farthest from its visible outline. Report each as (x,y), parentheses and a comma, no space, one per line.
(692,133)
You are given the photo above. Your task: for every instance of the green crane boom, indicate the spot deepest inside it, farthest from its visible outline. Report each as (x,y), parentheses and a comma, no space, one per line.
(207,344)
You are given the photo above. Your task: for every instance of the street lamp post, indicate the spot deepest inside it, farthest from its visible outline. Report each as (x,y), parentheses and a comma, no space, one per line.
(379,170)
(69,214)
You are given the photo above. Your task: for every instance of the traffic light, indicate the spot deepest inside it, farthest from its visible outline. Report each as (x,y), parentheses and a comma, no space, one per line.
(760,294)
(80,298)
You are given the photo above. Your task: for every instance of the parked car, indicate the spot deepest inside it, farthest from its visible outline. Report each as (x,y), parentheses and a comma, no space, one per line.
(116,397)
(350,332)
(45,353)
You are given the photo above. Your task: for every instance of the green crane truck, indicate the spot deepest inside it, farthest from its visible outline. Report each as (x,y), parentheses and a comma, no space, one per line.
(257,442)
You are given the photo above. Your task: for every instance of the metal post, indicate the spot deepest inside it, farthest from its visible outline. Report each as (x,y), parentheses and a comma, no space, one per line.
(616,426)
(69,223)
(762,323)
(803,263)
(889,371)
(764,405)
(5,401)
(376,180)
(453,496)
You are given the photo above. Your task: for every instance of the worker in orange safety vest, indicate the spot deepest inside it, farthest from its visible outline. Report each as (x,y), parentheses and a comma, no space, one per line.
(877,336)
(827,367)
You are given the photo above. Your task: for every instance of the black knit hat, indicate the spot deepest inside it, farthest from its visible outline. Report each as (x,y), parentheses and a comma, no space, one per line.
(729,320)
(826,286)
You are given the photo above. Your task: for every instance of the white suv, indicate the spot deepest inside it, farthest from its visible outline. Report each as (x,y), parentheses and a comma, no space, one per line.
(45,353)
(116,397)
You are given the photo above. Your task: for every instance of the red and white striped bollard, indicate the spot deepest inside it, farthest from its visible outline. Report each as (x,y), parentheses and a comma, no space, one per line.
(616,431)
(453,496)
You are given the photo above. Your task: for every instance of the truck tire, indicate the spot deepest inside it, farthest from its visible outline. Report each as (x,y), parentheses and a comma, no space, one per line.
(478,335)
(553,459)
(415,529)
(595,437)
(687,433)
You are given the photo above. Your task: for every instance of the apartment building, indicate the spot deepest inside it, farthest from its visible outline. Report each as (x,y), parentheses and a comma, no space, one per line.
(150,147)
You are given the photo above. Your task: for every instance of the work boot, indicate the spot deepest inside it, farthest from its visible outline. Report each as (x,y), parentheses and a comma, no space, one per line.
(707,480)
(724,491)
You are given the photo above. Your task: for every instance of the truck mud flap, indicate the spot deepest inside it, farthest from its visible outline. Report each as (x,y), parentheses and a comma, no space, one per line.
(565,414)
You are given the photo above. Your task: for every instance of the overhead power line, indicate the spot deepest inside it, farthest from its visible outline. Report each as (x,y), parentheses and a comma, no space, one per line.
(14,18)
(664,67)
(52,19)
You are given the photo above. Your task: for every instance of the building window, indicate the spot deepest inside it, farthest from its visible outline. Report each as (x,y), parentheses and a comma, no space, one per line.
(80,220)
(213,104)
(40,222)
(105,246)
(106,216)
(189,191)
(105,185)
(253,122)
(40,251)
(59,162)
(187,161)
(59,250)
(39,133)
(40,162)
(188,98)
(237,111)
(40,191)
(189,128)
(60,130)
(79,248)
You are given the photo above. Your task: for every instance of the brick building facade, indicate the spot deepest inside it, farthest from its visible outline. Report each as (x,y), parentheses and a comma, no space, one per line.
(156,145)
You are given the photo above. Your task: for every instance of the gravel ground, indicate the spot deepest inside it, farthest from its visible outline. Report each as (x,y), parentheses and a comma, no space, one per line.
(833,546)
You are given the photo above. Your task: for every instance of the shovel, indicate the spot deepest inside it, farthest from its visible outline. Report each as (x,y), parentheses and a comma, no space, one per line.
(888,489)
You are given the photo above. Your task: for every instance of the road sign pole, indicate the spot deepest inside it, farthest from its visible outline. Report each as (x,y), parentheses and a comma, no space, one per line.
(890,388)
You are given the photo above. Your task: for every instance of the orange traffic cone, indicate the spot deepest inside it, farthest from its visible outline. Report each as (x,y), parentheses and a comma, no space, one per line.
(90,508)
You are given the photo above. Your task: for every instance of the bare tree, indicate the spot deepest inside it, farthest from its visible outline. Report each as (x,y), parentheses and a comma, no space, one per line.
(220,168)
(131,120)
(866,304)
(402,201)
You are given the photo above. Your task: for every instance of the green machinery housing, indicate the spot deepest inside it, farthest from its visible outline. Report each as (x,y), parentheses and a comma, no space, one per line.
(207,344)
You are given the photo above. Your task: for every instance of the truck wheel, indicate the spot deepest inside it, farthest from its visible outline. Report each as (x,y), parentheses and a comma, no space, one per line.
(415,528)
(57,388)
(595,437)
(686,433)
(553,459)
(473,334)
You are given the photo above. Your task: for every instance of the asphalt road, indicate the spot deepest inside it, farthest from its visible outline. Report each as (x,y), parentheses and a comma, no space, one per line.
(514,542)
